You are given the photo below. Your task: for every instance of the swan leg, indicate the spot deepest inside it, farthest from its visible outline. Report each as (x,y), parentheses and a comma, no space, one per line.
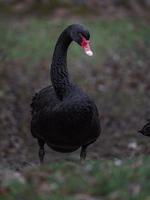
(41,150)
(83,152)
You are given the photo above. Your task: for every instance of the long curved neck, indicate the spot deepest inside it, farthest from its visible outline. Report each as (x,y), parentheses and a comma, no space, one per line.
(59,72)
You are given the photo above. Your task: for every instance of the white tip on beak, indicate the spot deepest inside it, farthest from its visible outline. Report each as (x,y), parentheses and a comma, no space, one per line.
(89,52)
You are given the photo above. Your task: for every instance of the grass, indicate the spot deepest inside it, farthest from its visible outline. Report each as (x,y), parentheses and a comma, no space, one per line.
(118,78)
(117,74)
(99,179)
(120,62)
(35,39)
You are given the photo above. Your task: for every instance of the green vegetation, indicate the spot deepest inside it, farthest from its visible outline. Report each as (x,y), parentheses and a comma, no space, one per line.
(119,46)
(99,179)
(117,76)
(35,38)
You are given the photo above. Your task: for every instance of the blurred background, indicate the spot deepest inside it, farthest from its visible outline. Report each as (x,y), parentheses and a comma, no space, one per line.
(117,76)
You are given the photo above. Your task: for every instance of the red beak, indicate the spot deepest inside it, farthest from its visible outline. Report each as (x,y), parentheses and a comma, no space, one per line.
(86,46)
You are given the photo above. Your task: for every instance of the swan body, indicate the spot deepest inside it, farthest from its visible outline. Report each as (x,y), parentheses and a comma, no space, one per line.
(63,115)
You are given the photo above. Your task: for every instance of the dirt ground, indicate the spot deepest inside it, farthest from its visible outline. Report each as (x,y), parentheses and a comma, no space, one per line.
(119,137)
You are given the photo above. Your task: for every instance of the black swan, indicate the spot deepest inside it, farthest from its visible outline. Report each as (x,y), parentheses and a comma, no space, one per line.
(146,129)
(63,116)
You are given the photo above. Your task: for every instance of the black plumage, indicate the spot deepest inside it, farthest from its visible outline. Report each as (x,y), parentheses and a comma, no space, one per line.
(146,129)
(63,116)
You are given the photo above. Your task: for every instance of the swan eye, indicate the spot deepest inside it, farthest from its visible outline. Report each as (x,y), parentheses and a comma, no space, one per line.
(80,35)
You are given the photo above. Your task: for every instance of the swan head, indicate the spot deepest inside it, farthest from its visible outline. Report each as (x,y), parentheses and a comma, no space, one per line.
(81,35)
